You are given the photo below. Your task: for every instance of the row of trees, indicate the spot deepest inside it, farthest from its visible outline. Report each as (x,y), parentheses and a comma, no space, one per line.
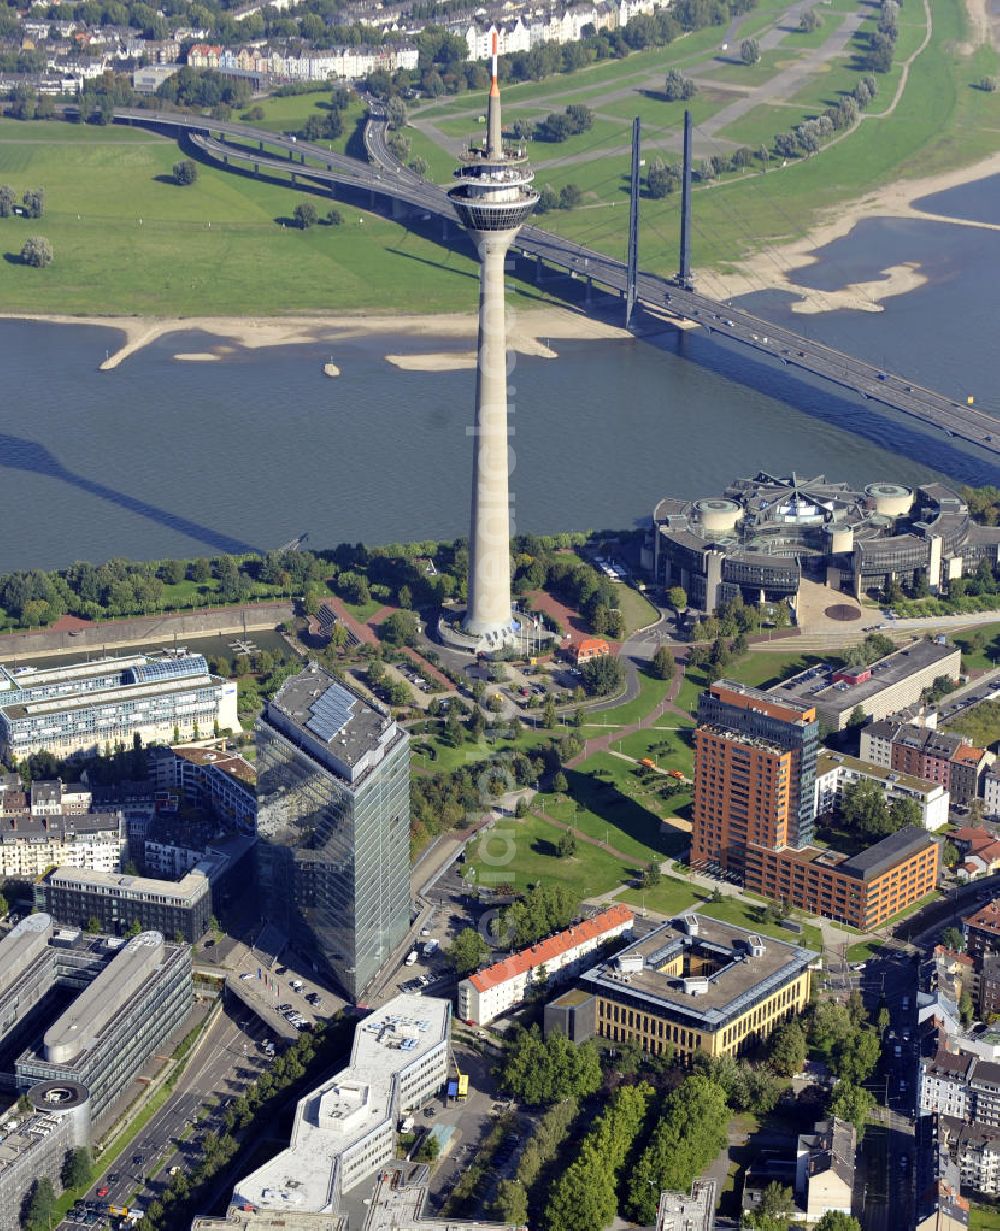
(559,126)
(568,197)
(540,1072)
(32,202)
(544,909)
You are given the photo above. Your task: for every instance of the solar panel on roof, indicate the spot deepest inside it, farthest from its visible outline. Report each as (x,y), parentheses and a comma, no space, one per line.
(167,669)
(331,712)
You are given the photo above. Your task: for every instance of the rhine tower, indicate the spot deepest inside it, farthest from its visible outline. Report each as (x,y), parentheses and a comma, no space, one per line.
(493,197)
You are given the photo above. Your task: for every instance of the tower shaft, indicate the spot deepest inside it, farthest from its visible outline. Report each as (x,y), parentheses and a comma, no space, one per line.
(489,547)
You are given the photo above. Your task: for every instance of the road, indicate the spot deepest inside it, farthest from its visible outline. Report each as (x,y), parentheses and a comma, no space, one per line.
(227,1057)
(384,176)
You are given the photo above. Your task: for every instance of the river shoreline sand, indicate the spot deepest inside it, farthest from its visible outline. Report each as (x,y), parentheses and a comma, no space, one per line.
(532,331)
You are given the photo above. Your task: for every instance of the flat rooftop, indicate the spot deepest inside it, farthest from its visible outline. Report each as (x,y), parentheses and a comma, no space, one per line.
(345,1109)
(99,1003)
(189,889)
(22,946)
(902,844)
(815,684)
(826,762)
(745,968)
(318,709)
(745,696)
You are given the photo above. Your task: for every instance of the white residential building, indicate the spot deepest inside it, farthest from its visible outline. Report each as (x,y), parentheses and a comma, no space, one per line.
(30,845)
(345,1130)
(487,995)
(943,1085)
(824,1168)
(835,771)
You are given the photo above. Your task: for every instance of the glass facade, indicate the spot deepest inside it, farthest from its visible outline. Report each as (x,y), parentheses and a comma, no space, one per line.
(334,857)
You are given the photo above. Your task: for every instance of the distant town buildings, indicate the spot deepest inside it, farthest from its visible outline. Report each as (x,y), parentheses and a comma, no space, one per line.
(333,823)
(764,535)
(345,1130)
(692,986)
(754,809)
(90,707)
(492,992)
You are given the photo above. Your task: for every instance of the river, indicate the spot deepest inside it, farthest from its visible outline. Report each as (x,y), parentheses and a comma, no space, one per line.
(163,458)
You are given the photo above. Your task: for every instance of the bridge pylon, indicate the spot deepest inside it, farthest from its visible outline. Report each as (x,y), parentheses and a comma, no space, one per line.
(632,268)
(684,271)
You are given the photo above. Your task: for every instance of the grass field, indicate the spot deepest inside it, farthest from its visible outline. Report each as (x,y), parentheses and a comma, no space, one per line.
(983,1217)
(981,724)
(744,915)
(127,240)
(669,897)
(525,852)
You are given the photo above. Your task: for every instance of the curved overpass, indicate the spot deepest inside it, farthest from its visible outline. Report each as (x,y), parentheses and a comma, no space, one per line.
(384,176)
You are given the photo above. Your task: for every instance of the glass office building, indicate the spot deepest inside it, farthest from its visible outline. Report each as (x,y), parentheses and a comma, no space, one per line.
(333,821)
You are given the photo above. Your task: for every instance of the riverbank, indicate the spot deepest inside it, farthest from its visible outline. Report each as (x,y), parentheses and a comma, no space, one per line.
(530,332)
(774,269)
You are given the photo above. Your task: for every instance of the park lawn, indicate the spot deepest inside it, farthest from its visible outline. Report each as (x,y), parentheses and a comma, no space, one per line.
(289,115)
(651,693)
(980,647)
(762,669)
(830,23)
(524,852)
(670,749)
(750,76)
(434,754)
(981,724)
(586,821)
(637,611)
(670,897)
(864,950)
(983,1217)
(105,192)
(659,118)
(759,125)
(187,593)
(745,915)
(832,82)
(363,612)
(440,164)
(625,800)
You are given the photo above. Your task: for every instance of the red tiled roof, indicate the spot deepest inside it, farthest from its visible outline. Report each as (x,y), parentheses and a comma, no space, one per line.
(554,946)
(988,919)
(966,752)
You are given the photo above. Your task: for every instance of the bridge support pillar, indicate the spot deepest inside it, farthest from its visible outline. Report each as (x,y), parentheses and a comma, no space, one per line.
(295,178)
(538,271)
(260,146)
(589,293)
(225,159)
(444,228)
(302,159)
(632,269)
(256,169)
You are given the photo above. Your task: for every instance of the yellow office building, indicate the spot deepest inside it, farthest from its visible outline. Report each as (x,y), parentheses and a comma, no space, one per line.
(694,984)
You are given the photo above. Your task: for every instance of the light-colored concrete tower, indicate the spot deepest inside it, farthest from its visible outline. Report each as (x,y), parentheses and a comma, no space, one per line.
(492,197)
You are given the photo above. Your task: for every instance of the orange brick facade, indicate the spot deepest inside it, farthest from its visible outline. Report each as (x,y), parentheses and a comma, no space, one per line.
(801,880)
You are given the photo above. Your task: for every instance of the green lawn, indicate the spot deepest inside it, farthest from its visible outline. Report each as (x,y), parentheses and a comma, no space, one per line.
(434,754)
(523,853)
(983,1217)
(980,647)
(981,724)
(759,669)
(126,240)
(651,693)
(669,897)
(669,748)
(863,951)
(636,609)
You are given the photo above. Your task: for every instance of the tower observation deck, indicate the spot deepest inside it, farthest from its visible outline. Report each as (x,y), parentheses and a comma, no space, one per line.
(492,196)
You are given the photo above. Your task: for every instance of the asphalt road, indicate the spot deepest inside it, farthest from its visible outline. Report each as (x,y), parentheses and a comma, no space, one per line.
(227,1058)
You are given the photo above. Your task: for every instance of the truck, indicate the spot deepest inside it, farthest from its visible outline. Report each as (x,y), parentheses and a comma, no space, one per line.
(648,762)
(411,958)
(430,947)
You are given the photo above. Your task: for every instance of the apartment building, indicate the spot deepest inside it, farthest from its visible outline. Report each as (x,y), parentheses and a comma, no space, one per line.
(943,757)
(836,770)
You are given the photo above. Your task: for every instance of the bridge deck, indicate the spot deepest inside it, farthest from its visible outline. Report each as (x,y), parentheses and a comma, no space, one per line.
(384,176)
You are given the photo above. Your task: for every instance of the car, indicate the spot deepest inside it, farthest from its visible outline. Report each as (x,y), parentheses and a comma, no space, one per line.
(103,1190)
(138,1160)
(113,1177)
(246,975)
(284,1008)
(430,1111)
(425,931)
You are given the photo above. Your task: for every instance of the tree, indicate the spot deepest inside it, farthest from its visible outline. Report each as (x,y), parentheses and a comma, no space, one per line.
(989,84)
(334,218)
(863,807)
(37,252)
(750,51)
(34,202)
(852,1103)
(400,628)
(789,1049)
(837,1220)
(6,200)
(663,663)
(76,1168)
(678,88)
(185,172)
(41,1214)
(511,1203)
(677,598)
(809,21)
(4,906)
(661,179)
(904,811)
(548,199)
(603,676)
(952,938)
(965,1009)
(305,215)
(652,874)
(570,196)
(857,718)
(543,1072)
(549,711)
(93,925)
(775,1211)
(567,844)
(395,113)
(559,783)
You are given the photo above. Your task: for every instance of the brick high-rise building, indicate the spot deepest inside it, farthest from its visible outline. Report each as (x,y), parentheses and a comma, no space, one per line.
(755,766)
